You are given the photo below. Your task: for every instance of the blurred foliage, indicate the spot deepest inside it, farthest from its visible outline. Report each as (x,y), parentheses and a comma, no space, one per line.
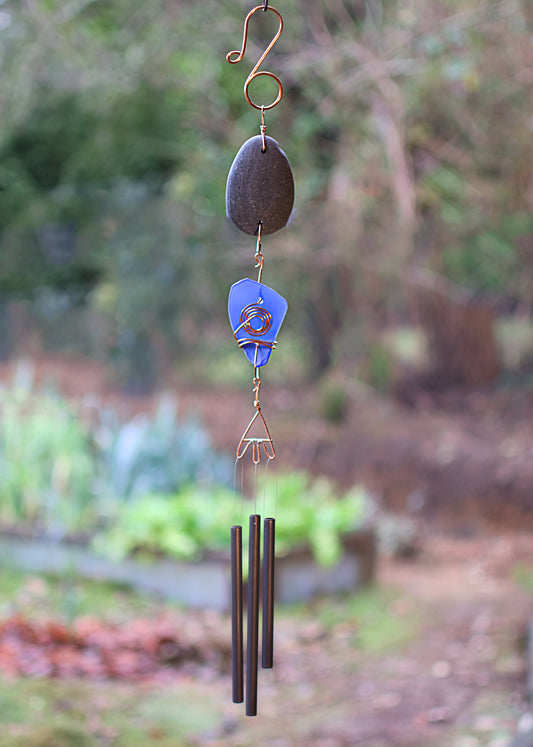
(155,482)
(156,453)
(334,401)
(182,525)
(194,520)
(322,518)
(523,575)
(46,712)
(377,368)
(46,463)
(59,474)
(407,126)
(380,624)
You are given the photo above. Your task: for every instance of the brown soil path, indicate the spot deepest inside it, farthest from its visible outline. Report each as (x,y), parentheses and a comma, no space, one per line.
(459,680)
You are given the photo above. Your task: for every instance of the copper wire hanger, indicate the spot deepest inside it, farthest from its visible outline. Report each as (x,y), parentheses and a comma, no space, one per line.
(248,441)
(265,441)
(255,73)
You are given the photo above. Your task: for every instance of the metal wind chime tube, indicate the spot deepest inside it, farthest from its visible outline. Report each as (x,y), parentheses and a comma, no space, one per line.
(236,614)
(259,201)
(267,650)
(252,641)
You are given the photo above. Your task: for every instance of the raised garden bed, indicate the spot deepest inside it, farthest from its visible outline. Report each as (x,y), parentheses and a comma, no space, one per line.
(199,584)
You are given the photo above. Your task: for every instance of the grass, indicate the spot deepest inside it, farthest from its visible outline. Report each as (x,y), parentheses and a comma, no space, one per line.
(382,620)
(82,713)
(48,713)
(67,597)
(523,576)
(385,622)
(79,713)
(514,336)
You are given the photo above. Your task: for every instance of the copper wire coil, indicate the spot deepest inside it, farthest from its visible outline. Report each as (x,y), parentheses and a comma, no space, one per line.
(252,312)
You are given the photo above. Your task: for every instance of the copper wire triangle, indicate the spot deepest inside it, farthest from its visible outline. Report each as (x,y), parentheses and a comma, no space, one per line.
(256,443)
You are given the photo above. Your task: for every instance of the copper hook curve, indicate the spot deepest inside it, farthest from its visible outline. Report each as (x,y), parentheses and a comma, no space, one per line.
(254,73)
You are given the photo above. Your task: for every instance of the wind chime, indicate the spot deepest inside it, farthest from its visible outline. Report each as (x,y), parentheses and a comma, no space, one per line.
(259,201)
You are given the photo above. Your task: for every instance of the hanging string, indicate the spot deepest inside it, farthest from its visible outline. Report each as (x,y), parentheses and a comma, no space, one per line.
(235,491)
(255,487)
(237,514)
(265,486)
(276,491)
(265,5)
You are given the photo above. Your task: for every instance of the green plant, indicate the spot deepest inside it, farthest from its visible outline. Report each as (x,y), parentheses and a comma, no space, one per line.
(312,511)
(333,402)
(155,454)
(46,462)
(378,367)
(66,735)
(523,575)
(59,475)
(48,712)
(194,520)
(181,525)
(381,620)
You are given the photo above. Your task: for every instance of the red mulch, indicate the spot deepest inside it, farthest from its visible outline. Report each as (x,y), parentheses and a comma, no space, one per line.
(135,650)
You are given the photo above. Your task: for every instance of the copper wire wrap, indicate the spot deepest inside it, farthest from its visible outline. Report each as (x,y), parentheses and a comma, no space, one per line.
(255,311)
(263,130)
(237,54)
(259,258)
(248,315)
(256,442)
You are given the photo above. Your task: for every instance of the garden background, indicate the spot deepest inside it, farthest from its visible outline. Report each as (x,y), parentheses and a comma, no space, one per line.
(400,390)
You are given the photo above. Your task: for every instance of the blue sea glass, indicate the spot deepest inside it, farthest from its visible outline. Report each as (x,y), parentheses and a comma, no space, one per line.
(256,313)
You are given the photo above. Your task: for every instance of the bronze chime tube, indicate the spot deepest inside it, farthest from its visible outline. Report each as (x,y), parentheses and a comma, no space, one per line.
(252,643)
(267,650)
(236,615)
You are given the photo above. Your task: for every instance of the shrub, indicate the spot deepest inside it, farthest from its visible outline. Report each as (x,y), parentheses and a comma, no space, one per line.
(46,462)
(59,475)
(188,523)
(157,453)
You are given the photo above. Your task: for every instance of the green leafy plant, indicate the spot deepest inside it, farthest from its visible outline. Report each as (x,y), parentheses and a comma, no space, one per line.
(181,525)
(334,402)
(311,511)
(156,454)
(46,463)
(59,475)
(194,520)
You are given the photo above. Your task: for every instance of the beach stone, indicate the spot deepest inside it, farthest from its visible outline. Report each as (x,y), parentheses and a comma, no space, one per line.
(260,187)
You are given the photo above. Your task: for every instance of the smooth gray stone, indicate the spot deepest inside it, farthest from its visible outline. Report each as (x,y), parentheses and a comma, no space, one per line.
(260,187)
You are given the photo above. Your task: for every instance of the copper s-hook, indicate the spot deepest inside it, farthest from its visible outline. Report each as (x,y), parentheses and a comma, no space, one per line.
(255,71)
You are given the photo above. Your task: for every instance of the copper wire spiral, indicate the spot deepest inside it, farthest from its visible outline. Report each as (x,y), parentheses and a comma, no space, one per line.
(248,315)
